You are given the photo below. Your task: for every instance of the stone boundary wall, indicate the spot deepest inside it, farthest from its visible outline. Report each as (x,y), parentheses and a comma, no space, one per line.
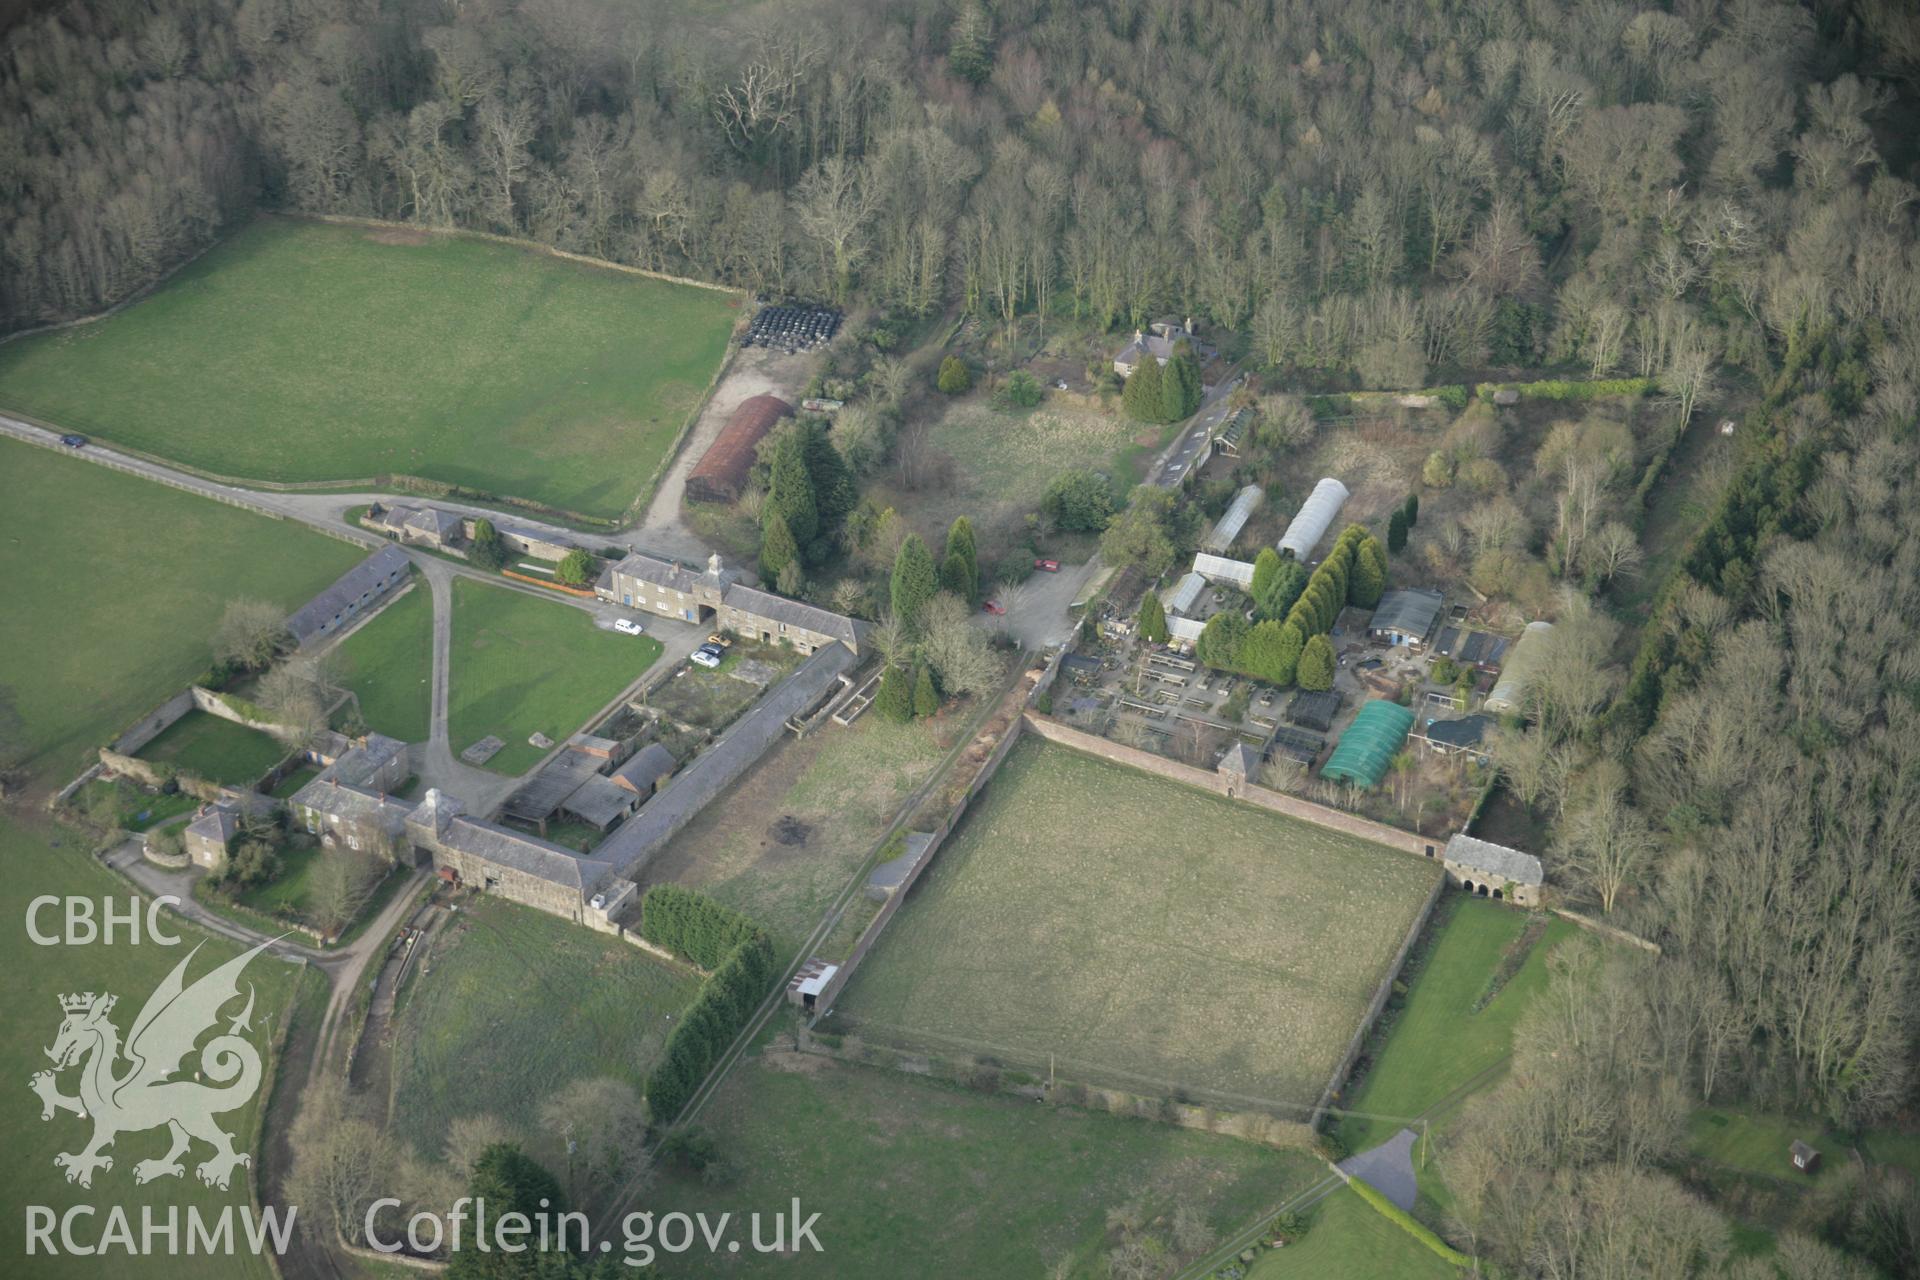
(1605,930)
(154,723)
(875,927)
(1379,1002)
(1249,1126)
(1292,806)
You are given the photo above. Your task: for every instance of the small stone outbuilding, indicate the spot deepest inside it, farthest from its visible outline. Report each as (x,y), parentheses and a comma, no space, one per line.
(1490,870)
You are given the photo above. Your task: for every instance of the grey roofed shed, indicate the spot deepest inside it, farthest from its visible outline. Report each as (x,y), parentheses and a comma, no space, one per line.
(1459,735)
(1233,520)
(1315,517)
(352,591)
(1408,611)
(1494,860)
(600,802)
(650,765)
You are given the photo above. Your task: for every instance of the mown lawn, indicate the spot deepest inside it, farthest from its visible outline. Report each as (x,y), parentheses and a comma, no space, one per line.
(30,1008)
(509,1005)
(388,663)
(522,665)
(913,1178)
(1350,1240)
(114,588)
(306,352)
(1139,928)
(1438,1045)
(215,749)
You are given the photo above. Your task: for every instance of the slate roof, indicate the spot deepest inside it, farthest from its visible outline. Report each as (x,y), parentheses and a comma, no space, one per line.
(316,613)
(524,853)
(599,800)
(1494,859)
(1410,611)
(219,823)
(433,521)
(792,612)
(650,765)
(361,762)
(1080,662)
(352,804)
(664,573)
(1239,760)
(1316,710)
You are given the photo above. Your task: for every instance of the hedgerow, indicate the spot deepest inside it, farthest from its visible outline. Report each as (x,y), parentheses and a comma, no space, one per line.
(1407,1222)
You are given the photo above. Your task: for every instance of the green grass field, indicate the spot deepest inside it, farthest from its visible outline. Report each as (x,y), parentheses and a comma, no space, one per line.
(510,1005)
(1438,1045)
(915,1179)
(844,786)
(215,749)
(82,653)
(305,352)
(1350,1240)
(522,665)
(1142,930)
(388,663)
(30,1009)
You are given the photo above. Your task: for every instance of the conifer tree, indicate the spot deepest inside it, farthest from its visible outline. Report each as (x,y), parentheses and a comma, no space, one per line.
(1153,619)
(914,584)
(925,700)
(1141,397)
(1316,665)
(777,549)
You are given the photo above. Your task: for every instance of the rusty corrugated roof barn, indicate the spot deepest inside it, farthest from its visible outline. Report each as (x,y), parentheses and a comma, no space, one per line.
(722,472)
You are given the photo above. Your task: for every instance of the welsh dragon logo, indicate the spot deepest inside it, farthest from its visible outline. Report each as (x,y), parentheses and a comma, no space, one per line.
(144,1094)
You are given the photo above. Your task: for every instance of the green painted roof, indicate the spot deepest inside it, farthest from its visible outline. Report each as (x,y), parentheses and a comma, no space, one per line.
(1365,749)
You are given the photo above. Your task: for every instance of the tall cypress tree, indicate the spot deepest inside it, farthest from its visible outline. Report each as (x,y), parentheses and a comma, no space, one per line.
(1141,396)
(960,570)
(1180,388)
(925,700)
(914,583)
(777,549)
(1153,619)
(835,493)
(790,489)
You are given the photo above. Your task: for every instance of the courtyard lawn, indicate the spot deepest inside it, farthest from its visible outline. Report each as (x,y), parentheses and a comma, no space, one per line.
(1438,1046)
(1351,1240)
(509,1005)
(800,823)
(215,749)
(913,1178)
(301,351)
(30,1008)
(388,663)
(83,655)
(522,665)
(1143,932)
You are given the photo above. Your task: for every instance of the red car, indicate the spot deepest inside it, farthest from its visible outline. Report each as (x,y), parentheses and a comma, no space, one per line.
(994,606)
(1047,566)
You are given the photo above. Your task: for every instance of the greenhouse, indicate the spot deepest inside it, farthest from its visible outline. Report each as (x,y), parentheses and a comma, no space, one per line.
(1510,692)
(1244,504)
(1316,516)
(1364,750)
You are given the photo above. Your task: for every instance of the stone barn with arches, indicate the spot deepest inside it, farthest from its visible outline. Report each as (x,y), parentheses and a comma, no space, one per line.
(1489,870)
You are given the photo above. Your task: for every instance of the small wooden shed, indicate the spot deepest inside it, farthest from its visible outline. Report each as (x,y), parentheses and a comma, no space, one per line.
(1804,1157)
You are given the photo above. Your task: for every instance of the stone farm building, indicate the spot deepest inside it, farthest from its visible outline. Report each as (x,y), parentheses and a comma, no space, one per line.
(718,598)
(1157,340)
(722,471)
(357,589)
(209,837)
(449,531)
(1493,870)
